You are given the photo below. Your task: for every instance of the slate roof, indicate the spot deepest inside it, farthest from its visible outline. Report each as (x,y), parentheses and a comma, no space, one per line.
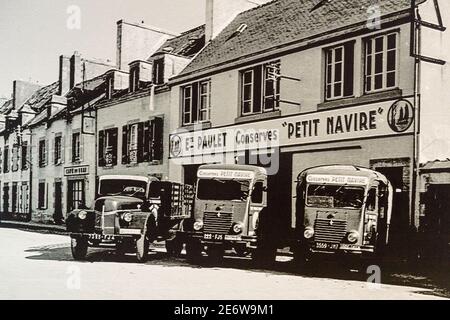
(187,44)
(282,22)
(38,100)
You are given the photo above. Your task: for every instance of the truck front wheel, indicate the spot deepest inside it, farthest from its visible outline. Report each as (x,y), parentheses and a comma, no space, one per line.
(79,246)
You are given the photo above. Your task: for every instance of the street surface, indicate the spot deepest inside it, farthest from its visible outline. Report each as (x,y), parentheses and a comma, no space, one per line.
(40,266)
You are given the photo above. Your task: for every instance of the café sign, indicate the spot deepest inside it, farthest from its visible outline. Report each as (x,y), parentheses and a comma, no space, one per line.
(387,118)
(76,171)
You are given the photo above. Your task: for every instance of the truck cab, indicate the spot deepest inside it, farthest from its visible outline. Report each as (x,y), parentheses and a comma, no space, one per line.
(228,205)
(344,209)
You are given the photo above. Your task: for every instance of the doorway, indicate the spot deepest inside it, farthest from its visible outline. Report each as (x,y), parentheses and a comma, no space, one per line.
(58,214)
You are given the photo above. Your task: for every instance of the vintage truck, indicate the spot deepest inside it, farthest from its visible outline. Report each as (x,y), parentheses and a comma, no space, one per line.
(131,212)
(231,213)
(342,209)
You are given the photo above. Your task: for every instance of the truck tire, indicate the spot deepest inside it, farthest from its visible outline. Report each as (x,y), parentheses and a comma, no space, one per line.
(79,247)
(193,250)
(142,247)
(174,247)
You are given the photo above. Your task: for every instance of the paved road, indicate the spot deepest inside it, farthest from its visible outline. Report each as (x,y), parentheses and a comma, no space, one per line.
(40,266)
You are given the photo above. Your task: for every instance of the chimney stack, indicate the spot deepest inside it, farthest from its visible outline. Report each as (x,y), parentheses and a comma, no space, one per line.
(137,41)
(64,75)
(22,91)
(219,13)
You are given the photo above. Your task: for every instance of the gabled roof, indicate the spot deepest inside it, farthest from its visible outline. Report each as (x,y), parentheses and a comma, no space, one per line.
(187,44)
(283,22)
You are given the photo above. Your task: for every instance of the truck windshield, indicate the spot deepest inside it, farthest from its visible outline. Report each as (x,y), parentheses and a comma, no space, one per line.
(331,196)
(226,189)
(134,188)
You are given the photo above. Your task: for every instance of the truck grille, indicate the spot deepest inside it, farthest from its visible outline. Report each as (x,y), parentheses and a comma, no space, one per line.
(109,221)
(334,233)
(218,223)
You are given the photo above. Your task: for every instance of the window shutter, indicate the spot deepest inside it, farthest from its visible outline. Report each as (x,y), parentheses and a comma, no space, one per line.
(194,114)
(161,71)
(46,151)
(146,153)
(349,68)
(63,149)
(81,147)
(1,159)
(114,134)
(125,158)
(101,148)
(158,124)
(140,137)
(257,93)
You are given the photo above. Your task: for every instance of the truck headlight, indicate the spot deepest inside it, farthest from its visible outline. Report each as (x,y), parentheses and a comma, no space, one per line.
(309,233)
(353,237)
(82,215)
(237,228)
(198,225)
(127,217)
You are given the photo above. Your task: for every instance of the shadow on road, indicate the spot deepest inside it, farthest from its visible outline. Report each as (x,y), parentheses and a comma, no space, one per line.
(426,275)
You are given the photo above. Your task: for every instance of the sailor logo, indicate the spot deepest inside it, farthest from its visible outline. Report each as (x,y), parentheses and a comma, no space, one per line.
(175,145)
(401,116)
(331,222)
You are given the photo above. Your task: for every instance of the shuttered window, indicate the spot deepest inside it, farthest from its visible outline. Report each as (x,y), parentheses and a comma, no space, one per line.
(260,88)
(6,160)
(107,147)
(196,102)
(42,153)
(143,142)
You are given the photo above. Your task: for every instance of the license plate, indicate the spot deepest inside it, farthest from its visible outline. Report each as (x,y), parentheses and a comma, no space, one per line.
(213,237)
(326,245)
(100,237)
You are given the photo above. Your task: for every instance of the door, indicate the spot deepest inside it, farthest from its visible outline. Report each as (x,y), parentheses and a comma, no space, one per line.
(76,197)
(6,200)
(58,215)
(400,220)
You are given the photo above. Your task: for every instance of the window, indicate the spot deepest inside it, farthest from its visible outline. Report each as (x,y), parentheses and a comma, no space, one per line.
(134,79)
(6,160)
(24,156)
(42,195)
(158,71)
(14,198)
(196,102)
(381,62)
(260,88)
(15,158)
(143,142)
(132,140)
(107,147)
(76,147)
(372,199)
(42,153)
(58,150)
(109,87)
(76,194)
(339,71)
(6,198)
(258,193)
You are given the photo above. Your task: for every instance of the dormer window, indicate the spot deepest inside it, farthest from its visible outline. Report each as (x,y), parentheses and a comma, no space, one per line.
(158,71)
(109,87)
(134,78)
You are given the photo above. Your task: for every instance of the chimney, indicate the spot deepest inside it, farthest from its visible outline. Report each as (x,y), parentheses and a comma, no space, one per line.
(76,70)
(64,75)
(220,13)
(137,41)
(22,91)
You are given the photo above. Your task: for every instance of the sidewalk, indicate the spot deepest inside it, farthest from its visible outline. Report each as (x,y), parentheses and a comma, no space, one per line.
(32,226)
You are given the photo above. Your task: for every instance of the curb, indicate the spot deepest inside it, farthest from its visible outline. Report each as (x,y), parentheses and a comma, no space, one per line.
(32,226)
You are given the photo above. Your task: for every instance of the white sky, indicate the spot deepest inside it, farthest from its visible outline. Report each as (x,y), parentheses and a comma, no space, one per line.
(34,33)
